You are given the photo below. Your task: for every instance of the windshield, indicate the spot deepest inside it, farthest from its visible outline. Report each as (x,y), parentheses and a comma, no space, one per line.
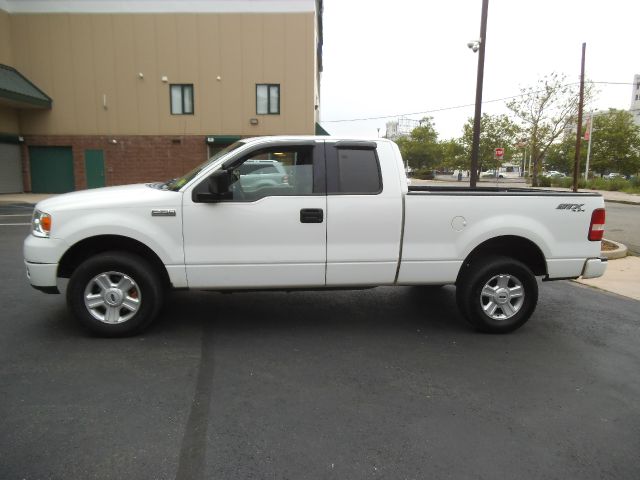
(177,183)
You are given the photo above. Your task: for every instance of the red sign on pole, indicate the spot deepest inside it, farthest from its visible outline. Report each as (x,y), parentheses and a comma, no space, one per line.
(499,153)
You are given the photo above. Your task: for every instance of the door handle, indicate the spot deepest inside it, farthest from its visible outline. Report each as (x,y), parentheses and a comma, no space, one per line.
(311,215)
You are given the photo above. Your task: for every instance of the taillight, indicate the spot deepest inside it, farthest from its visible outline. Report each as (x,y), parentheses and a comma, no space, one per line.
(596,229)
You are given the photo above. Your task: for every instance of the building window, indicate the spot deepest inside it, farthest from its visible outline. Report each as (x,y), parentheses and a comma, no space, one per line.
(182,99)
(268,99)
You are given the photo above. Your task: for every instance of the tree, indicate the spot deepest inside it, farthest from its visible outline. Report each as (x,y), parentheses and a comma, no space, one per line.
(421,149)
(561,155)
(454,154)
(615,146)
(547,110)
(496,131)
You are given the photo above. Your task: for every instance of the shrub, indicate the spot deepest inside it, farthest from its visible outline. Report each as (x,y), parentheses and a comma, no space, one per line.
(544,181)
(598,184)
(617,184)
(423,174)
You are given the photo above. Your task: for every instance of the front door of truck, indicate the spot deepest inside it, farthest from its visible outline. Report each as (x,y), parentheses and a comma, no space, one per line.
(268,229)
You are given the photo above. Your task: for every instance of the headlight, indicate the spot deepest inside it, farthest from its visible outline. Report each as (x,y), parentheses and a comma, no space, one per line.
(41,224)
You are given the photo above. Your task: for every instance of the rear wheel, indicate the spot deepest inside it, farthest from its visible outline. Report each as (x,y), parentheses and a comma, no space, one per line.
(497,294)
(115,294)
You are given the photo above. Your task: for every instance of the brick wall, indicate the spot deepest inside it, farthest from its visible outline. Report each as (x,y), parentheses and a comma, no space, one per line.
(132,159)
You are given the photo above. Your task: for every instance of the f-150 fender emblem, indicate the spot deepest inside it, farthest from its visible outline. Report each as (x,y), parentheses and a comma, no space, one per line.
(574,207)
(163,213)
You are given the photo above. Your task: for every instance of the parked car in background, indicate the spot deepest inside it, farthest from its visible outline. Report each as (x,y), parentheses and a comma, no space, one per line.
(506,170)
(554,174)
(613,175)
(258,174)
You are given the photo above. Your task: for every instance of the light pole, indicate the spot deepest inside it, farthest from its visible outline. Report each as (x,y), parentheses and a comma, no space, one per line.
(475,46)
(588,134)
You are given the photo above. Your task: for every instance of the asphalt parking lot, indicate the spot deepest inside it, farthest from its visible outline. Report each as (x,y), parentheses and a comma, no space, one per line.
(382,383)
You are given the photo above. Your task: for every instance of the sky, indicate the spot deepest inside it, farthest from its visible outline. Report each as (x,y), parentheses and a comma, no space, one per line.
(385,58)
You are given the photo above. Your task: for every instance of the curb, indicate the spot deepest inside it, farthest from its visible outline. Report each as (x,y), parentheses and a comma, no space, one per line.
(625,202)
(619,252)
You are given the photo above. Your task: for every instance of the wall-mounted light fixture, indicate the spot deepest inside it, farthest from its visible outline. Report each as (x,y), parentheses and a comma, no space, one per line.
(141,75)
(253,121)
(218,78)
(165,79)
(114,141)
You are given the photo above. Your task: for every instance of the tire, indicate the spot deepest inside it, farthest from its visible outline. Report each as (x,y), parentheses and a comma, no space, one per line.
(497,294)
(115,294)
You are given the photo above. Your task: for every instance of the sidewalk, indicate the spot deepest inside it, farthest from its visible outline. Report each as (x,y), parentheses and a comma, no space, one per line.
(622,277)
(24,197)
(616,197)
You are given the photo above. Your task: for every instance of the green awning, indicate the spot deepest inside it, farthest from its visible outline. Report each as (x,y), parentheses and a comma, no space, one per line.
(223,139)
(18,92)
(320,130)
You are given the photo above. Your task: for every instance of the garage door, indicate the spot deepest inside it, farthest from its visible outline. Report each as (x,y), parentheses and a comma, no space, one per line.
(10,168)
(51,169)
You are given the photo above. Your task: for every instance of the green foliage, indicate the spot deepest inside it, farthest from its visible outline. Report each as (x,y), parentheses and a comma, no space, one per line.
(546,109)
(421,149)
(561,156)
(454,154)
(615,145)
(423,174)
(544,182)
(495,131)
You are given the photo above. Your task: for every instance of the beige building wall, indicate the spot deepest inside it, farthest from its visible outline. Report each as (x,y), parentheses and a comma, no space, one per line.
(9,121)
(89,64)
(5,38)
(8,116)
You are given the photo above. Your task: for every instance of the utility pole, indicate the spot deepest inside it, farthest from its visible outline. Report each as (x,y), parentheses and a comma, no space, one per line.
(576,165)
(475,147)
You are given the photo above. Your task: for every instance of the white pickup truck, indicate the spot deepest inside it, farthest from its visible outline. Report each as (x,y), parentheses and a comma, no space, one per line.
(342,217)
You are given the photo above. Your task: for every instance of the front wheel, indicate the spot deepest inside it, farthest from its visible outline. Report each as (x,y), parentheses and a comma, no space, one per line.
(497,294)
(115,294)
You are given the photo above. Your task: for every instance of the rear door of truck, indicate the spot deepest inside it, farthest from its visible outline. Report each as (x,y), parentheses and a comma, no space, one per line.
(364,213)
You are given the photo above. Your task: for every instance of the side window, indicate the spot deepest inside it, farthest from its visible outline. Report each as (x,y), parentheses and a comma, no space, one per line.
(181,99)
(284,171)
(358,171)
(267,99)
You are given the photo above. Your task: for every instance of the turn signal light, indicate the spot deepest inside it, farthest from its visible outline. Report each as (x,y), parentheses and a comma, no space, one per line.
(596,229)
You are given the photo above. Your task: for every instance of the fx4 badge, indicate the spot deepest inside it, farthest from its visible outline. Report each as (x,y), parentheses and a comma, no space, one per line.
(574,207)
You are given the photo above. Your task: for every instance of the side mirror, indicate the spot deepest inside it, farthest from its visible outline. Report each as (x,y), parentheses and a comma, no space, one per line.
(214,189)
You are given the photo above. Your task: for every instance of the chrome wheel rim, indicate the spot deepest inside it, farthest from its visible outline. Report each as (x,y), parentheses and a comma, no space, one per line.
(112,297)
(502,297)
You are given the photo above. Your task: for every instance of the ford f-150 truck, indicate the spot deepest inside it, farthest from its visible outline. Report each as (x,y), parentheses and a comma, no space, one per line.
(345,218)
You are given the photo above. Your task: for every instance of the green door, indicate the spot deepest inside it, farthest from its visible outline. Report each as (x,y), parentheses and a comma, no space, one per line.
(94,168)
(51,169)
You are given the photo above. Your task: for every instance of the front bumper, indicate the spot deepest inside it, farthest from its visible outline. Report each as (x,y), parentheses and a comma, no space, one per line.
(43,276)
(594,267)
(41,262)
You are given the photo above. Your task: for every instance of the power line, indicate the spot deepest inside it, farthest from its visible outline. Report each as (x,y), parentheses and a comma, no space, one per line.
(443,109)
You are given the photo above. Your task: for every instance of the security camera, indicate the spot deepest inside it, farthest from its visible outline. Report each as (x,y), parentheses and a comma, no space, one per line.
(474,45)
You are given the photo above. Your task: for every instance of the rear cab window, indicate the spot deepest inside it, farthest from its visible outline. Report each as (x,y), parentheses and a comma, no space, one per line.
(353,168)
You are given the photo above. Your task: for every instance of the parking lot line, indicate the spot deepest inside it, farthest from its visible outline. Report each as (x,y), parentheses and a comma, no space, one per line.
(12,224)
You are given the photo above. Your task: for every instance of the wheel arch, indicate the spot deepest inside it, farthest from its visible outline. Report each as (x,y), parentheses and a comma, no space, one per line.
(91,246)
(512,246)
